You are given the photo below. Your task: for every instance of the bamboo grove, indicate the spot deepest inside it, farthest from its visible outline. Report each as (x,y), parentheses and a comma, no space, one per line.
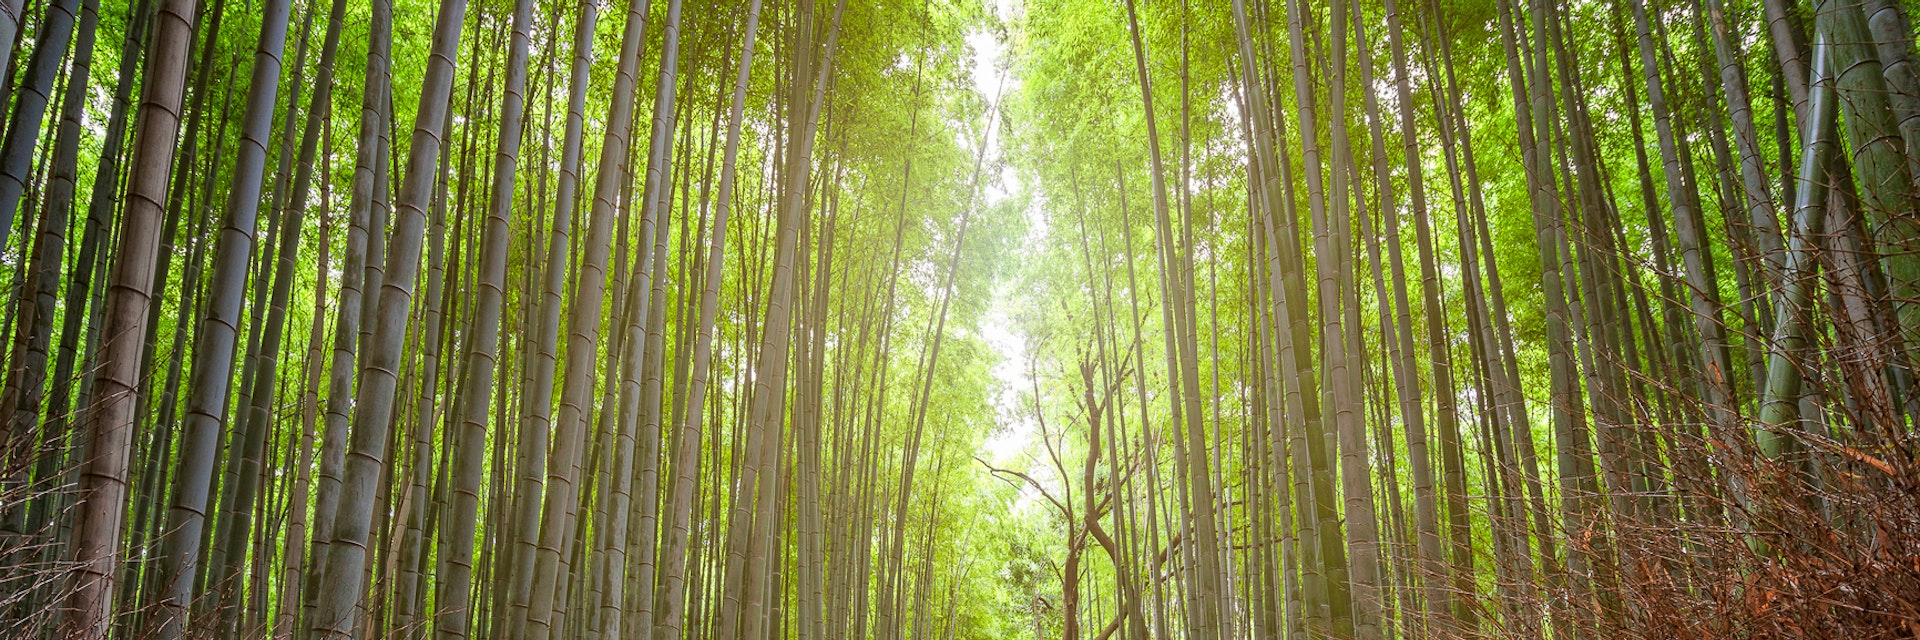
(918,319)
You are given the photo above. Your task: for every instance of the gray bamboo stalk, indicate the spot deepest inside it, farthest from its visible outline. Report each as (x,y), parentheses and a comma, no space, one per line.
(605,608)
(454,598)
(1703,294)
(537,428)
(109,436)
(253,426)
(1892,34)
(604,603)
(1753,178)
(343,584)
(1335,592)
(1880,169)
(1179,308)
(669,604)
(1780,401)
(1434,608)
(26,382)
(1533,110)
(766,406)
(645,349)
(293,564)
(1275,199)
(811,615)
(51,36)
(1345,379)
(82,296)
(401,588)
(365,235)
(10,20)
(558,519)
(1452,458)
(207,394)
(100,205)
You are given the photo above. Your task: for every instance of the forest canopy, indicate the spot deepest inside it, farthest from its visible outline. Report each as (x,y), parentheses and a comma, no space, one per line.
(945,319)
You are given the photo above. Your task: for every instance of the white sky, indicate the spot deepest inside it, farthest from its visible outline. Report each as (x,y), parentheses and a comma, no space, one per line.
(1017,445)
(997,327)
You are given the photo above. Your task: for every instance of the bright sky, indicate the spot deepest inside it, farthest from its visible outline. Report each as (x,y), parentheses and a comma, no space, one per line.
(1017,444)
(997,327)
